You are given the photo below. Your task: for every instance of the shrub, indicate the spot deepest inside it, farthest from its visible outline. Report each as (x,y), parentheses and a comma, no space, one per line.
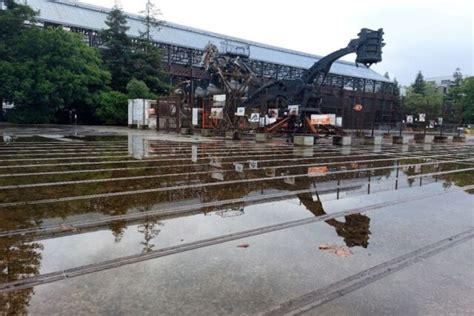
(112,108)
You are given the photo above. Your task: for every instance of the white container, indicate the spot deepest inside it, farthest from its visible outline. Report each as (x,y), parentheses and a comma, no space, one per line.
(140,113)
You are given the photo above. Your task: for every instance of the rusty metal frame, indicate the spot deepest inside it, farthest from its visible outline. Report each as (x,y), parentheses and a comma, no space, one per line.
(183,63)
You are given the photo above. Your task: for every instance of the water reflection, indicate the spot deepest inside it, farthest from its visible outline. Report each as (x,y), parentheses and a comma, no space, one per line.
(118,229)
(354,229)
(150,231)
(207,182)
(201,184)
(19,259)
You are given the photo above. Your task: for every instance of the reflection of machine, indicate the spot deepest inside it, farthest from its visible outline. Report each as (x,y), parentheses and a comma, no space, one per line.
(354,229)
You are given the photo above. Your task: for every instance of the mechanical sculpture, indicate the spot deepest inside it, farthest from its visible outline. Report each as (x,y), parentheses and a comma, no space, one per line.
(230,74)
(306,91)
(228,71)
(301,91)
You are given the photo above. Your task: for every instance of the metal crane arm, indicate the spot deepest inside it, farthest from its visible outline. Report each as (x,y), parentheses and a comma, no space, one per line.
(322,66)
(368,47)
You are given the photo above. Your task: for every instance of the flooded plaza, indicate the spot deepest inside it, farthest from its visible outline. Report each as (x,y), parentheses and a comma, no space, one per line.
(113,221)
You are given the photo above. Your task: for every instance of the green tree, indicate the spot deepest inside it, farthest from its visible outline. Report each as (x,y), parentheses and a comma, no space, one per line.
(13,21)
(419,85)
(430,102)
(457,75)
(126,60)
(137,89)
(150,15)
(464,100)
(52,70)
(452,98)
(117,49)
(112,108)
(147,67)
(147,57)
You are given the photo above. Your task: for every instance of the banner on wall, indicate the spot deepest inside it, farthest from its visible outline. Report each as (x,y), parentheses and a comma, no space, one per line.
(254,118)
(240,111)
(217,113)
(218,100)
(273,113)
(195,116)
(323,119)
(293,109)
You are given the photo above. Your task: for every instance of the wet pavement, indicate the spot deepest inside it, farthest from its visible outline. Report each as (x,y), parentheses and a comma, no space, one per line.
(112,221)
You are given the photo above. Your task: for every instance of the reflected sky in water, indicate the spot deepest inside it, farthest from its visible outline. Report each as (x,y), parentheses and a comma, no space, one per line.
(137,194)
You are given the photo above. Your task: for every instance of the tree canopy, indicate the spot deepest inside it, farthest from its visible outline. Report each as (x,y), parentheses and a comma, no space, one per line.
(45,70)
(457,105)
(126,60)
(430,102)
(150,15)
(419,85)
(112,108)
(53,70)
(116,49)
(13,21)
(50,73)
(464,100)
(423,97)
(137,89)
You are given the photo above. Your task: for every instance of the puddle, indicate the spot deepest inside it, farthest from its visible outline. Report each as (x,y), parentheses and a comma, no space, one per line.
(172,193)
(289,262)
(101,138)
(8,139)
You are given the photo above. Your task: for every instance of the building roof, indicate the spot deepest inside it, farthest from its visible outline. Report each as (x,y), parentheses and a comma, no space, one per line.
(76,14)
(440,78)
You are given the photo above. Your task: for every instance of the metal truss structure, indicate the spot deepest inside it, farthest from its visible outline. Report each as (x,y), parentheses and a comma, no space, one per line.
(339,92)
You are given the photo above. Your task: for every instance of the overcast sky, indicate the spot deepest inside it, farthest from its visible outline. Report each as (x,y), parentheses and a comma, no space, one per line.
(434,36)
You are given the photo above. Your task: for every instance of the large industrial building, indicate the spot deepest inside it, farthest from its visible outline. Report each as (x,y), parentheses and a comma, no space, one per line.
(183,46)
